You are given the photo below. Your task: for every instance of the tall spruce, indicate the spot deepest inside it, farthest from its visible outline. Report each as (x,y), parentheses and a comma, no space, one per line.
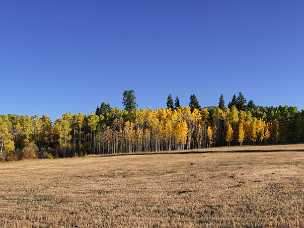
(251,105)
(129,100)
(221,104)
(241,102)
(177,103)
(170,102)
(194,104)
(104,109)
(233,102)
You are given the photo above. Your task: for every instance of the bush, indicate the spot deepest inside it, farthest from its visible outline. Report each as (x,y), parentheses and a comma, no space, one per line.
(30,151)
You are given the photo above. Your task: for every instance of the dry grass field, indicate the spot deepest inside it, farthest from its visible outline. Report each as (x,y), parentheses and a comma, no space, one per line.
(168,190)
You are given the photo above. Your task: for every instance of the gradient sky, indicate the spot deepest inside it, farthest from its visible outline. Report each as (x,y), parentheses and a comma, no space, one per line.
(69,55)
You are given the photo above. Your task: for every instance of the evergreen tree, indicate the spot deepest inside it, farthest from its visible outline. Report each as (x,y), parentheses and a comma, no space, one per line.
(129,100)
(241,102)
(177,103)
(104,109)
(194,104)
(170,103)
(251,106)
(221,104)
(114,130)
(233,102)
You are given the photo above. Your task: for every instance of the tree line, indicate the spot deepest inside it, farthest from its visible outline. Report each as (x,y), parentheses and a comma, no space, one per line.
(112,130)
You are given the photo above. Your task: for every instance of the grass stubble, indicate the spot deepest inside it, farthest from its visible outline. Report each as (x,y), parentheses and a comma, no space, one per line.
(168,190)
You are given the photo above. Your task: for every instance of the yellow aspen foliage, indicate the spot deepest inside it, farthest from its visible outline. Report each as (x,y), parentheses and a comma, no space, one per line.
(129,131)
(93,122)
(274,131)
(205,114)
(6,138)
(140,118)
(253,131)
(229,134)
(241,133)
(63,129)
(24,129)
(260,127)
(247,129)
(266,133)
(113,130)
(196,116)
(210,134)
(154,124)
(233,115)
(79,120)
(181,131)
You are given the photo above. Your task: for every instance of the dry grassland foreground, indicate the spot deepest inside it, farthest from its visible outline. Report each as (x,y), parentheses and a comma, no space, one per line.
(168,190)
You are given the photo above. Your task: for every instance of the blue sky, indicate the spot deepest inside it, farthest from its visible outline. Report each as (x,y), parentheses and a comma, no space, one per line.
(67,56)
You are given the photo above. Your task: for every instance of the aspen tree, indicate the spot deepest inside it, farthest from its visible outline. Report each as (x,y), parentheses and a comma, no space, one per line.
(229,134)
(218,126)
(241,133)
(78,122)
(93,123)
(274,129)
(266,133)
(253,131)
(210,134)
(42,133)
(6,138)
(196,126)
(63,130)
(205,117)
(181,131)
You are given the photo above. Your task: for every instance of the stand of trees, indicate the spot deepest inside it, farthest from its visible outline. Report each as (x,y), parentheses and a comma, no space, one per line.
(112,130)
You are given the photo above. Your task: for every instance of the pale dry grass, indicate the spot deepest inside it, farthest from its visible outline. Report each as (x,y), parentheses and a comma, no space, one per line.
(168,190)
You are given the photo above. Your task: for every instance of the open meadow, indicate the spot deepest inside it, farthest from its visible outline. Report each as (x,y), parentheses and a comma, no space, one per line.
(161,190)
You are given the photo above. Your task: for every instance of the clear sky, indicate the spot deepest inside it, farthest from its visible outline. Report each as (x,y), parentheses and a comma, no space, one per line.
(70,55)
